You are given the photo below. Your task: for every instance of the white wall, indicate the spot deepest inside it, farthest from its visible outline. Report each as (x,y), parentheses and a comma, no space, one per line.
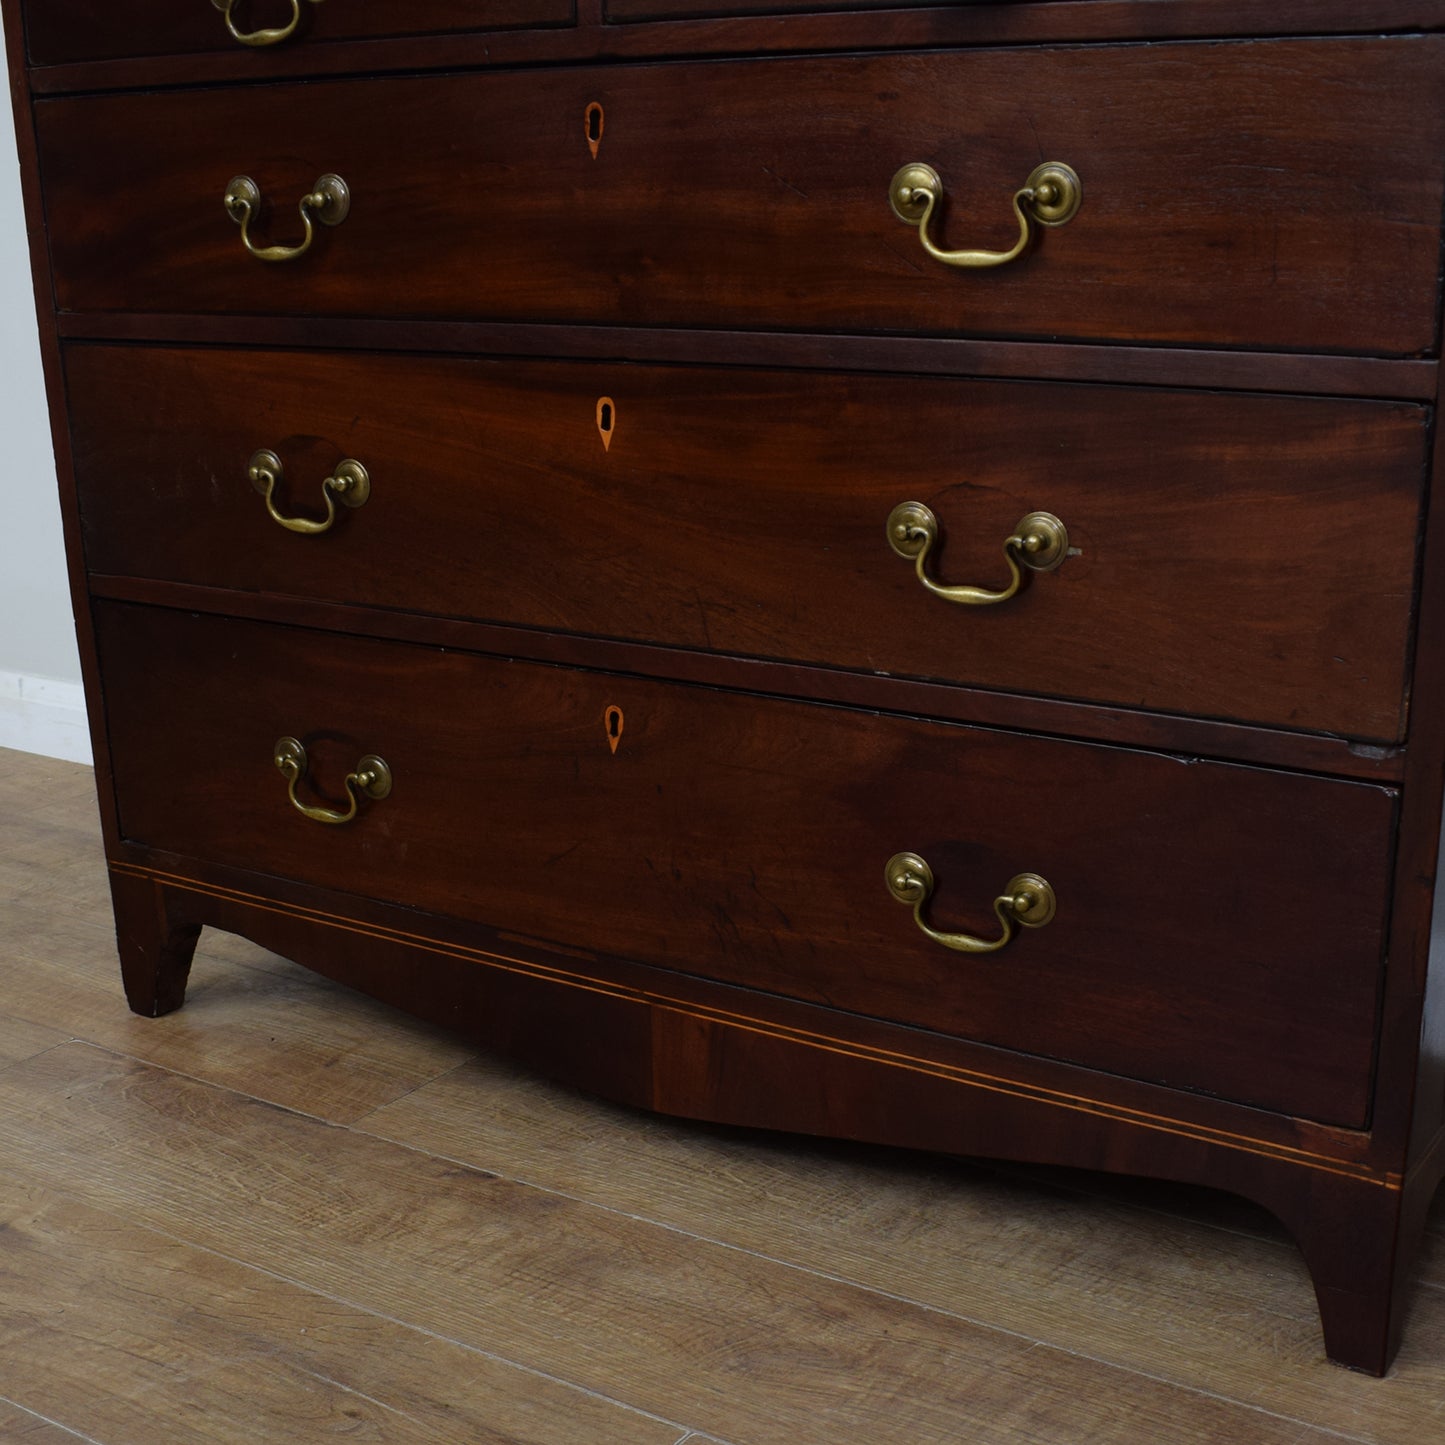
(41,707)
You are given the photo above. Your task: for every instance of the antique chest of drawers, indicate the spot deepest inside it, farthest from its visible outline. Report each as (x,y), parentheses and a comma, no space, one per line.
(852,568)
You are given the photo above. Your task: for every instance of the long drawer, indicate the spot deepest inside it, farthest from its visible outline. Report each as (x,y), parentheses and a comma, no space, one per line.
(1276,194)
(1239,557)
(57,31)
(1218,928)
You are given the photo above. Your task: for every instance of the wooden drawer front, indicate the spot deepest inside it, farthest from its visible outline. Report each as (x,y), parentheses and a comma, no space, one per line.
(58,31)
(702,9)
(1240,557)
(1219,928)
(1252,194)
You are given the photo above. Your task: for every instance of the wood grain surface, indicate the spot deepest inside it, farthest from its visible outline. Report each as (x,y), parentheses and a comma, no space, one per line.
(1243,949)
(830,28)
(1242,557)
(1228,189)
(189,1263)
(66,31)
(511,808)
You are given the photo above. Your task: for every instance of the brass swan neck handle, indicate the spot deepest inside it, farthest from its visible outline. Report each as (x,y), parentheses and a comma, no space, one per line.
(1040,542)
(1027,900)
(1050,197)
(349,484)
(329,202)
(372,779)
(272,36)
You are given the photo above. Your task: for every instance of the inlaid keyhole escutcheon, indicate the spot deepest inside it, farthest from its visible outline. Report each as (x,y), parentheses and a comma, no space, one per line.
(606,420)
(594,128)
(612,718)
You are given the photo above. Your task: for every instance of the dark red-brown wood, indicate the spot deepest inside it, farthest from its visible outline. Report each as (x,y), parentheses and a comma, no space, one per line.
(1355,1198)
(745,840)
(1301,373)
(1230,191)
(944,702)
(1240,558)
(705,1051)
(65,31)
(680,9)
(594,37)
(156,943)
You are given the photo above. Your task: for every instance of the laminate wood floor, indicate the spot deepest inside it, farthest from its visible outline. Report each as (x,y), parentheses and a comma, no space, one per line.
(286,1213)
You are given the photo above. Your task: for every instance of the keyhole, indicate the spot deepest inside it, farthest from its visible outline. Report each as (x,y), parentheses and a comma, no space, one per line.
(606,419)
(613,719)
(594,128)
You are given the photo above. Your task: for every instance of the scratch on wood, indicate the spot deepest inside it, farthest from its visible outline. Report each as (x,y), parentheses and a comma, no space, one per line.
(906,259)
(783,182)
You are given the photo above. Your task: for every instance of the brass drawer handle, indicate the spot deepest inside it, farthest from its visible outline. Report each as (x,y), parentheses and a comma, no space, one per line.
(1027,900)
(260,37)
(329,203)
(349,484)
(1050,197)
(1040,542)
(372,777)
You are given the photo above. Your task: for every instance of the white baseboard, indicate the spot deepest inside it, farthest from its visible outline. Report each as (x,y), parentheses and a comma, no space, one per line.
(43,715)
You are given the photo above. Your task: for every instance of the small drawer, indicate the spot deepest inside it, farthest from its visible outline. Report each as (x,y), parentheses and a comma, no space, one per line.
(1218,928)
(623,10)
(1247,195)
(1236,557)
(61,31)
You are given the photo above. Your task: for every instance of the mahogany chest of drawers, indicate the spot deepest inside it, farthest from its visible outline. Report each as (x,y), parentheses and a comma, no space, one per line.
(848,568)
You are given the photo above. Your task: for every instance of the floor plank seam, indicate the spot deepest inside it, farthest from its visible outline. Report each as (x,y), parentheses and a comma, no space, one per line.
(896,1298)
(360,1120)
(1125,1206)
(61,1192)
(1308,1431)
(69,1430)
(260,1099)
(1289,1356)
(40,1054)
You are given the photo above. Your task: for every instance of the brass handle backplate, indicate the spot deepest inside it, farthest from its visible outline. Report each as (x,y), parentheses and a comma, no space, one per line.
(349,484)
(329,203)
(1040,542)
(272,36)
(1050,197)
(372,778)
(1027,899)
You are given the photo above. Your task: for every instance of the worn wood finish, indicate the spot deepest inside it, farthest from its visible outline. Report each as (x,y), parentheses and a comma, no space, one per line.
(1183,1287)
(155,949)
(1304,752)
(260,1358)
(87,30)
(1292,159)
(509,808)
(1272,371)
(734,1064)
(1267,196)
(1242,559)
(587,1018)
(709,9)
(743,1346)
(594,37)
